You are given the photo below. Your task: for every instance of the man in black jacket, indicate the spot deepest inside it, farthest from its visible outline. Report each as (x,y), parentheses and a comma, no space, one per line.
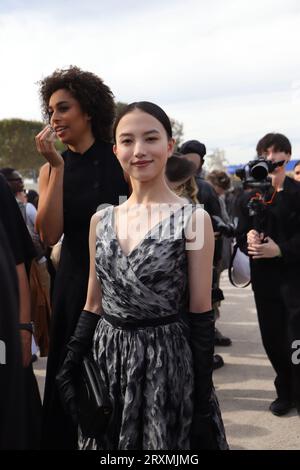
(195,151)
(275,272)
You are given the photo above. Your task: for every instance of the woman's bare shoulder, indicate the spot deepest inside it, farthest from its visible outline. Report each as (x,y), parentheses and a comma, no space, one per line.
(100,215)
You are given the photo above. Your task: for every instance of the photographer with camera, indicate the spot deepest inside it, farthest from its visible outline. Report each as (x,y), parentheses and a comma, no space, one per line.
(269,228)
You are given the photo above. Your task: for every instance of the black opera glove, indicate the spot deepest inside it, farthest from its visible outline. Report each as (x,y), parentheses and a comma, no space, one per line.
(79,344)
(202,335)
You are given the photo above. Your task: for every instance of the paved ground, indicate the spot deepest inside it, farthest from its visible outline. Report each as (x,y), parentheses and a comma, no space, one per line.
(245,384)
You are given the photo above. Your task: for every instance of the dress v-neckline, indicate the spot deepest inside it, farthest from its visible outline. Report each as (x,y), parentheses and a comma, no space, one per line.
(145,237)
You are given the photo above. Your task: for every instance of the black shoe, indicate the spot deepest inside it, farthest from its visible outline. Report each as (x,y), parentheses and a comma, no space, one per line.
(34,358)
(221,340)
(280,406)
(218,362)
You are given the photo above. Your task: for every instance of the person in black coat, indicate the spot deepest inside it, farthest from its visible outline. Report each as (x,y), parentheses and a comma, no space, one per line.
(195,151)
(10,350)
(275,270)
(20,404)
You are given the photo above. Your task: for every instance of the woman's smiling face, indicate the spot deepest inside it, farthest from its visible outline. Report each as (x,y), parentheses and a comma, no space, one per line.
(142,145)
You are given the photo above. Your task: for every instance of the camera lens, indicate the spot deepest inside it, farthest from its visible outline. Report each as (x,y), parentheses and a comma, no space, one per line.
(259,171)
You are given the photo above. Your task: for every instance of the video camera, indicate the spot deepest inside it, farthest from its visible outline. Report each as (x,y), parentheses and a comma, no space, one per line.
(255,173)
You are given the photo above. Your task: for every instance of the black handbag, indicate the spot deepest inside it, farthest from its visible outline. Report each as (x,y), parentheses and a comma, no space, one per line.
(93,402)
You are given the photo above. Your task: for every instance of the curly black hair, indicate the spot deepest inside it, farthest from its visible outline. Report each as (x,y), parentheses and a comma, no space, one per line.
(95,98)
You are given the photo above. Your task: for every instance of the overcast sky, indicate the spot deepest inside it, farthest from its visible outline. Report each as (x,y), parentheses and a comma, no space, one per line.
(227,69)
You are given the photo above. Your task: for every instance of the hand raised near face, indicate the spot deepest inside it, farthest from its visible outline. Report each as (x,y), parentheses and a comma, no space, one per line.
(45,146)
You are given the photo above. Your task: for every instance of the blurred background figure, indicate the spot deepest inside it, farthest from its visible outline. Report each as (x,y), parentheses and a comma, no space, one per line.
(180,174)
(20,404)
(11,372)
(32,197)
(297,171)
(15,181)
(221,183)
(195,151)
(39,278)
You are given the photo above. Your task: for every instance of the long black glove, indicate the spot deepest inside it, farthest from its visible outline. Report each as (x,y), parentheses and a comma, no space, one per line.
(79,344)
(202,335)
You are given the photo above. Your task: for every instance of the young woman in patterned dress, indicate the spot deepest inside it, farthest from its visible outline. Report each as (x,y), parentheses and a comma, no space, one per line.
(148,311)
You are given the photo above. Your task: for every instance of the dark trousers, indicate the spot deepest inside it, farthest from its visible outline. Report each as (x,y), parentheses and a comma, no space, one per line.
(279,322)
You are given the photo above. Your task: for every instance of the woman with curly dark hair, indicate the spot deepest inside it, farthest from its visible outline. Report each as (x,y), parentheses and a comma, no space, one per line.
(80,109)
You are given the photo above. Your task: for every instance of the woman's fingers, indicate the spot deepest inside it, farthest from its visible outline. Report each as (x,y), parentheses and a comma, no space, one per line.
(45,139)
(254,249)
(254,237)
(47,136)
(40,138)
(45,133)
(45,145)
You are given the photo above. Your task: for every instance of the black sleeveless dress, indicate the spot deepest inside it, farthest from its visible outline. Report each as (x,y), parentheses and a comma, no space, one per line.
(90,180)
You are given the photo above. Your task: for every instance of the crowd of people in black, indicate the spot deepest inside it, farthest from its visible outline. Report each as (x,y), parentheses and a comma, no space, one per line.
(144,301)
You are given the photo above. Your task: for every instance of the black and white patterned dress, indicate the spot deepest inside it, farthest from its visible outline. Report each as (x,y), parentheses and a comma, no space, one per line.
(148,370)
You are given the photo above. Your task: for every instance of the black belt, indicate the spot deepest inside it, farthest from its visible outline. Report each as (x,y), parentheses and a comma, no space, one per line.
(137,324)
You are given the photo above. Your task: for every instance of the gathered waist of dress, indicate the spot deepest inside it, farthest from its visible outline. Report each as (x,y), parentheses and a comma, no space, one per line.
(125,324)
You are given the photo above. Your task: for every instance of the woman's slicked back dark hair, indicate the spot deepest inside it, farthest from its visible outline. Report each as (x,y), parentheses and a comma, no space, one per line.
(95,98)
(149,108)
